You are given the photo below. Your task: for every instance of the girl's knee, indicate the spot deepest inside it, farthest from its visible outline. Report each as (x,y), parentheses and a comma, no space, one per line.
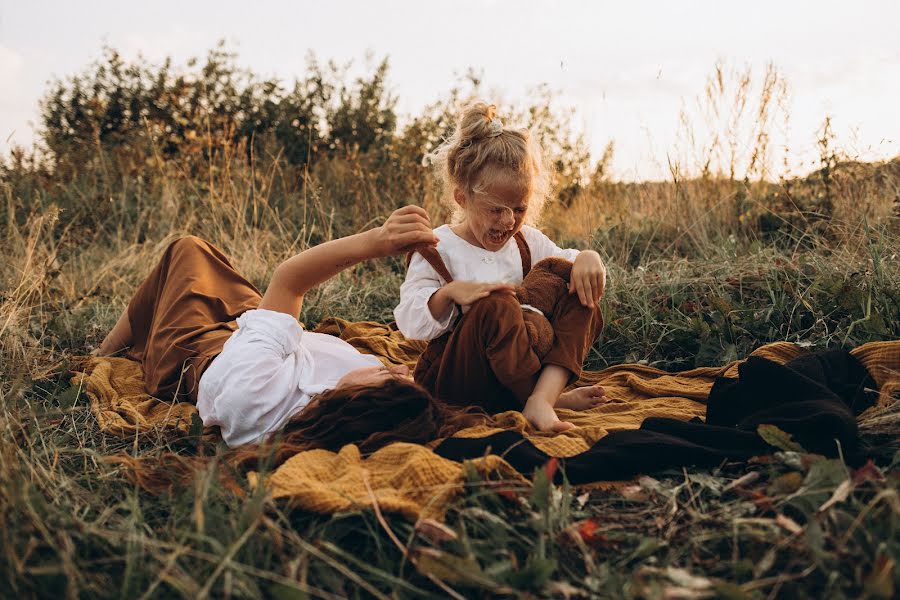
(495,305)
(189,244)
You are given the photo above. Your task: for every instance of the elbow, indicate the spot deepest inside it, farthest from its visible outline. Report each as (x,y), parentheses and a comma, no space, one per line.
(284,283)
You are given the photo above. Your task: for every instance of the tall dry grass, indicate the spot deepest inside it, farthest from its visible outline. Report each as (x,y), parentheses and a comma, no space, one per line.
(703,268)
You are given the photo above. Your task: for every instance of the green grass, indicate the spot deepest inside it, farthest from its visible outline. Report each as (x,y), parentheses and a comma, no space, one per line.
(74,524)
(702,271)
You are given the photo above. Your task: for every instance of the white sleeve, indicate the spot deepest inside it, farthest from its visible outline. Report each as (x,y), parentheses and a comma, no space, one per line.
(414,319)
(247,388)
(543,247)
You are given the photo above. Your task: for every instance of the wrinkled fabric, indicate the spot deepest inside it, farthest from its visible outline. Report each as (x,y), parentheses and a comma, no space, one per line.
(815,398)
(639,394)
(267,372)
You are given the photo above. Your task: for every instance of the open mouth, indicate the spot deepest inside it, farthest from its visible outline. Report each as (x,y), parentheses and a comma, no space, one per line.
(497,237)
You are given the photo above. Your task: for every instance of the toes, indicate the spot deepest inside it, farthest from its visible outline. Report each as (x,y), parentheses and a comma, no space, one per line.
(561,426)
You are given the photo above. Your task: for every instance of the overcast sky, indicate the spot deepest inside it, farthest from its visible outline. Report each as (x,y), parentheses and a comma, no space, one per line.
(626,67)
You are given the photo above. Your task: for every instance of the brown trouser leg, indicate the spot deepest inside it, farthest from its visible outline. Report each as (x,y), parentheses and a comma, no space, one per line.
(488,360)
(183,314)
(575,329)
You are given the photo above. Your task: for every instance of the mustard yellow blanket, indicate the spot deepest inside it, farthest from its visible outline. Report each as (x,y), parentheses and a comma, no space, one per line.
(410,478)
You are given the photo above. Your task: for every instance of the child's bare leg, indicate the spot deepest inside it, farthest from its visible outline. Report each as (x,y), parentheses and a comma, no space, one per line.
(117,339)
(582,398)
(539,408)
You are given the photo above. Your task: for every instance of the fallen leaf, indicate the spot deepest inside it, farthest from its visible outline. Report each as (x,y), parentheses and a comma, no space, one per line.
(450,568)
(550,467)
(562,589)
(786,484)
(867,472)
(434,531)
(682,593)
(684,578)
(778,438)
(649,483)
(589,531)
(788,523)
(840,494)
(765,563)
(635,493)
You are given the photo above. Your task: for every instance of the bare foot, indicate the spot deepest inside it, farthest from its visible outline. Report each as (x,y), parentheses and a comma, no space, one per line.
(582,398)
(542,416)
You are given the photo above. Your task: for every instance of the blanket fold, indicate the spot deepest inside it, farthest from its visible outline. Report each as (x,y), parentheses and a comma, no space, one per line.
(815,398)
(417,481)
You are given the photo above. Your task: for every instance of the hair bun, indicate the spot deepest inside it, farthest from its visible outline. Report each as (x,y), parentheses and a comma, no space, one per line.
(478,121)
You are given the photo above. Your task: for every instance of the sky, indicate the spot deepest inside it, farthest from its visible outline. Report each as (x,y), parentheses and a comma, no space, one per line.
(626,68)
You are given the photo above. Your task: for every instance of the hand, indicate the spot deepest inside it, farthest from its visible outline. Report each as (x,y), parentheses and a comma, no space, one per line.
(588,278)
(465,293)
(404,229)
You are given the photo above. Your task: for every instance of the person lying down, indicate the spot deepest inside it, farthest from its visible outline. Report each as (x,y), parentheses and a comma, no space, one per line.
(204,334)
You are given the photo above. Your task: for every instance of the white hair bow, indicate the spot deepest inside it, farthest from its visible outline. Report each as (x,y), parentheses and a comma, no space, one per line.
(496,127)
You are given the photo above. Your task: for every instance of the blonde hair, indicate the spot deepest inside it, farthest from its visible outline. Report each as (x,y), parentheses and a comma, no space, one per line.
(481,144)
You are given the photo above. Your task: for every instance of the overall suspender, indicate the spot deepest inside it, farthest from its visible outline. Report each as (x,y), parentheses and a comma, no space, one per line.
(433,258)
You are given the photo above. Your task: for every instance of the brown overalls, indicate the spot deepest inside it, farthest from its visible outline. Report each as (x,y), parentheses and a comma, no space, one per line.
(487,358)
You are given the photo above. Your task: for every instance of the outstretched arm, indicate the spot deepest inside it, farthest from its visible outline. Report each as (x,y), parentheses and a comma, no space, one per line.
(405,228)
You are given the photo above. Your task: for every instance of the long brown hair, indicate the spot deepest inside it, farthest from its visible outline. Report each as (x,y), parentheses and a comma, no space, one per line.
(371,417)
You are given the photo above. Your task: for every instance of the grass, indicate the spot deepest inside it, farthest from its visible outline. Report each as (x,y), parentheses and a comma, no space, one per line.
(702,271)
(74,525)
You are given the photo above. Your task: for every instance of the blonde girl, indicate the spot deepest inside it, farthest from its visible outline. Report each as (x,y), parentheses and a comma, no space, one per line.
(495,179)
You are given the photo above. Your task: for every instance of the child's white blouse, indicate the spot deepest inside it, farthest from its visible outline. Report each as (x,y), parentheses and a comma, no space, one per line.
(268,371)
(465,262)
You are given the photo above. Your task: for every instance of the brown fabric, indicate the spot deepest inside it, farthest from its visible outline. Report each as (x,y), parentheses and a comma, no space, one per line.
(323,481)
(433,258)
(429,363)
(544,287)
(183,314)
(524,253)
(496,365)
(489,359)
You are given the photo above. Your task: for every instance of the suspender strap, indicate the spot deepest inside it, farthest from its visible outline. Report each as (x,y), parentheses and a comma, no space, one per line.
(433,258)
(524,253)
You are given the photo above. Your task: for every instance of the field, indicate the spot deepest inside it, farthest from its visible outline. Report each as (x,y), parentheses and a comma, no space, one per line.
(704,268)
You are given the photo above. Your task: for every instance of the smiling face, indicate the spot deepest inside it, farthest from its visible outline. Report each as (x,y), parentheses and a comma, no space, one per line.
(495,209)
(372,376)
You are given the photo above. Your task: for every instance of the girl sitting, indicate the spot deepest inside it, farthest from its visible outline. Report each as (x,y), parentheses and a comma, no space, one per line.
(461,298)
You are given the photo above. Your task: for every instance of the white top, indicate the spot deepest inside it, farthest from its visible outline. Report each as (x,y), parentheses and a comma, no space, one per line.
(268,371)
(465,262)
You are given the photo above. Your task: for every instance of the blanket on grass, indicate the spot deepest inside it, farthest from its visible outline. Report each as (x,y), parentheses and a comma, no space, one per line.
(413,479)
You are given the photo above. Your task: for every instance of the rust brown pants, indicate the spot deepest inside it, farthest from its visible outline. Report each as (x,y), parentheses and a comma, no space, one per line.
(183,314)
(488,360)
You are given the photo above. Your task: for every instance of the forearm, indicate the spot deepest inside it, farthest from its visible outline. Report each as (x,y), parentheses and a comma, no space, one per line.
(297,275)
(440,304)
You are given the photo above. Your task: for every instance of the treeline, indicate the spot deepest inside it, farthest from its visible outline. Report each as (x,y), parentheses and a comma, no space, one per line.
(192,113)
